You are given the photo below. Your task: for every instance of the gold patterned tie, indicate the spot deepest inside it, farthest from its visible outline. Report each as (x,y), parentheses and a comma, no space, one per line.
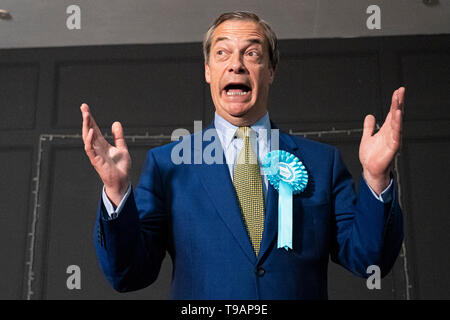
(248,184)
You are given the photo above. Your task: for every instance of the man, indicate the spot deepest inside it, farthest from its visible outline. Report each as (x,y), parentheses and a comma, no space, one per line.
(222,245)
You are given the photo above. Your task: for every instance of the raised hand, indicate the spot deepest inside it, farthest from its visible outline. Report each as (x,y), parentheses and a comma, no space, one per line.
(112,163)
(377,151)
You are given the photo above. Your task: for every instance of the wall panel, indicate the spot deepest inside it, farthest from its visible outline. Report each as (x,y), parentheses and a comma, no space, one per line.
(323,89)
(15,186)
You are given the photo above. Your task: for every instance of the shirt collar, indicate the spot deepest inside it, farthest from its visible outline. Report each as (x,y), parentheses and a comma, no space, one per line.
(226,130)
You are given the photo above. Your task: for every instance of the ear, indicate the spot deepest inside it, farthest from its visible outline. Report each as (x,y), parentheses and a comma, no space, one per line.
(271,75)
(207,74)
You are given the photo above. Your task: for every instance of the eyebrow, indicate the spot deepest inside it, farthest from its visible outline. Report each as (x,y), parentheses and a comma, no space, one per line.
(251,40)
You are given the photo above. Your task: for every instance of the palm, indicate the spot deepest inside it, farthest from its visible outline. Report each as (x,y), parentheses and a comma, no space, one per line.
(111,163)
(377,151)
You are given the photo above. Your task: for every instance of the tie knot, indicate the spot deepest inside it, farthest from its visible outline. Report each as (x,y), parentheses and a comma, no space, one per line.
(242,132)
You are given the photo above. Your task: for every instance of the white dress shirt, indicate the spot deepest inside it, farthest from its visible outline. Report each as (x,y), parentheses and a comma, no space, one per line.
(231,146)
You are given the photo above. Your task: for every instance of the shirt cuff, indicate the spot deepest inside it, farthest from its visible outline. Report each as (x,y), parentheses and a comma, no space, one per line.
(109,206)
(386,195)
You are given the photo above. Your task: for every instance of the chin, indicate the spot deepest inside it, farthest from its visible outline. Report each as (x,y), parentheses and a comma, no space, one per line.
(238,109)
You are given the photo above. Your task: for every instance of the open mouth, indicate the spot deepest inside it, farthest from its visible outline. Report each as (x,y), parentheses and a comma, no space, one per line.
(237,89)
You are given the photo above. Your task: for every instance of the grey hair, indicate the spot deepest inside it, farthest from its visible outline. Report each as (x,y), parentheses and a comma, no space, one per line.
(269,34)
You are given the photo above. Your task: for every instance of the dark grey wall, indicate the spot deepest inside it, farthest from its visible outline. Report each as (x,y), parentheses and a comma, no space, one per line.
(323,89)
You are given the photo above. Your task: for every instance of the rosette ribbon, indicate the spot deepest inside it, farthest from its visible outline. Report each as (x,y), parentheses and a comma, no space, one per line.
(287,174)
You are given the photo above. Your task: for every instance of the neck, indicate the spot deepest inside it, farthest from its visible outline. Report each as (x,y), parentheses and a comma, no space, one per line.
(245,120)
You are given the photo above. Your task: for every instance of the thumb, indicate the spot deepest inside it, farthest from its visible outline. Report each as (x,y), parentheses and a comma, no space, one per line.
(369,126)
(117,132)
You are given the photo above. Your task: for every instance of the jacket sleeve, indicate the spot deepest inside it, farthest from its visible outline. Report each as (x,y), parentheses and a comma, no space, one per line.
(131,247)
(365,230)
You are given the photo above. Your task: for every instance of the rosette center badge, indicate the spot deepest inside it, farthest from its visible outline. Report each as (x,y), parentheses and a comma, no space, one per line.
(286,172)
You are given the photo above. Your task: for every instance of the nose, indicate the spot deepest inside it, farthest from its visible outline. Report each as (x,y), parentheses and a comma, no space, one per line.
(236,64)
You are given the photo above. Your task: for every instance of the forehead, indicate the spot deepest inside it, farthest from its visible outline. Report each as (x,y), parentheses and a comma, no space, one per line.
(239,30)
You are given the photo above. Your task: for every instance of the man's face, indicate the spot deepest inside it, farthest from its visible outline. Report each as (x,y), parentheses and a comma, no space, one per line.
(239,71)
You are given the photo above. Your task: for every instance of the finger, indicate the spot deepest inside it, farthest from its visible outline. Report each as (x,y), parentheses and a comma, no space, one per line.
(117,132)
(397,113)
(395,132)
(401,95)
(396,121)
(84,107)
(396,124)
(89,122)
(88,146)
(394,101)
(85,125)
(369,126)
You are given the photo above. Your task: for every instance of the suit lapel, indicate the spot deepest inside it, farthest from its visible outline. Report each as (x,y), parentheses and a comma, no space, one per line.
(217,183)
(218,186)
(271,219)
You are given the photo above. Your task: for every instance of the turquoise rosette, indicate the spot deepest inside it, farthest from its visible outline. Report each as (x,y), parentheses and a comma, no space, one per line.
(287,174)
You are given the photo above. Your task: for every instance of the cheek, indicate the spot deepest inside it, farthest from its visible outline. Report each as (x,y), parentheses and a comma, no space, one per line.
(215,85)
(262,79)
(214,78)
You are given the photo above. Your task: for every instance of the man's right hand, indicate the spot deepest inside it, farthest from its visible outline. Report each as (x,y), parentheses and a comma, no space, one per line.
(112,163)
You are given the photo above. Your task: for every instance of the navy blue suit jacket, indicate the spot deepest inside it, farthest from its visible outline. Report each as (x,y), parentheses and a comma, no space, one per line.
(191,211)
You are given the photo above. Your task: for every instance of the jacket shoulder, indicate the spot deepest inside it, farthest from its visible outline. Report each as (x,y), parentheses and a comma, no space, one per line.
(163,153)
(310,145)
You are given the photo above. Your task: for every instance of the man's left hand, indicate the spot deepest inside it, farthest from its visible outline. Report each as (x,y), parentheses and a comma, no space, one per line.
(377,151)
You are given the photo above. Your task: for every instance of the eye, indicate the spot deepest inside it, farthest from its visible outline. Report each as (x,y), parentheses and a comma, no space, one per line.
(220,52)
(253,53)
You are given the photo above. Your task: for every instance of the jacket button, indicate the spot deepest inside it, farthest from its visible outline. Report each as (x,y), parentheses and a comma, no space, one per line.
(260,271)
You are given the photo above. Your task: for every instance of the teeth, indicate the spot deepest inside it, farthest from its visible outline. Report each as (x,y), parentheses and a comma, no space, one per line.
(236,93)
